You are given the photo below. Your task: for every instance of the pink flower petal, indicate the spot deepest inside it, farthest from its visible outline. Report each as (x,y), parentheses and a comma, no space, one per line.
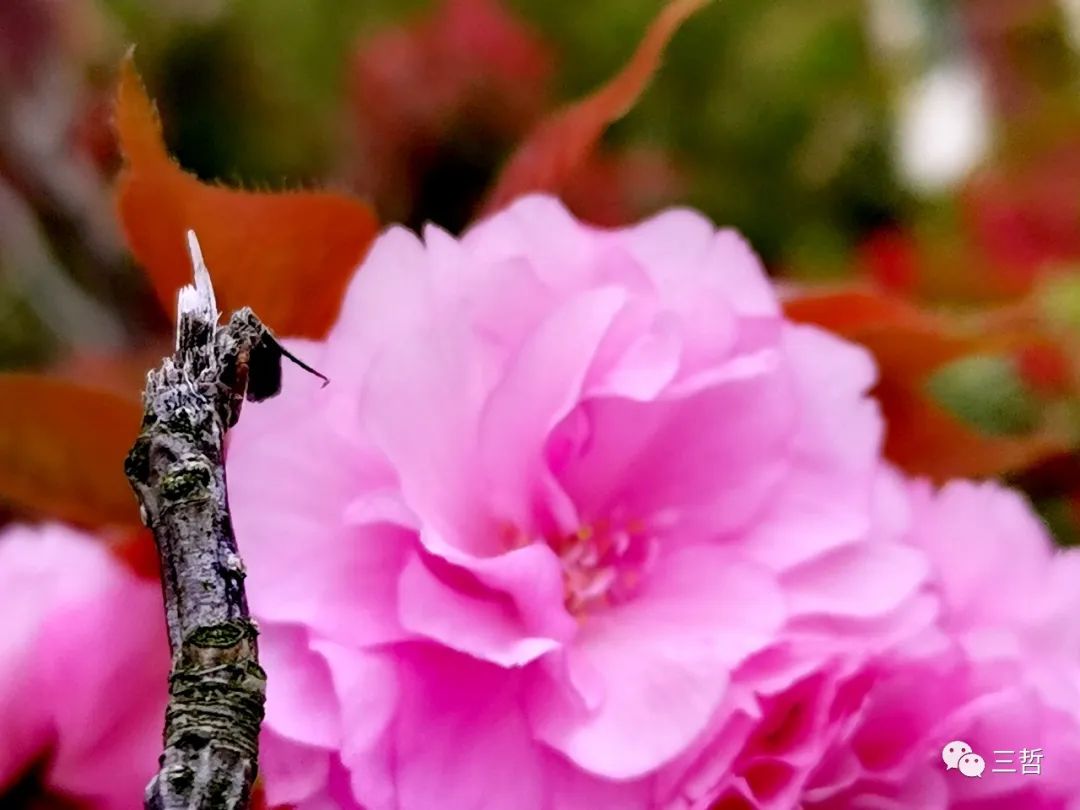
(106,732)
(645,367)
(479,754)
(672,646)
(306,563)
(300,703)
(856,580)
(368,688)
(300,771)
(724,469)
(539,229)
(538,389)
(530,576)
(487,627)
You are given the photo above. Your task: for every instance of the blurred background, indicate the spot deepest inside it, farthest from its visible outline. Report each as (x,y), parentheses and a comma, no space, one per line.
(915,164)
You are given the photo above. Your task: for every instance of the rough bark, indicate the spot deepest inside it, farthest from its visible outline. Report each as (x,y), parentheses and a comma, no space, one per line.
(176,467)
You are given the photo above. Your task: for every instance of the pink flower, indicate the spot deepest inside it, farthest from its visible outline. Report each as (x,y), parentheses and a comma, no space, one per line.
(999,670)
(83,672)
(573,495)
(847,611)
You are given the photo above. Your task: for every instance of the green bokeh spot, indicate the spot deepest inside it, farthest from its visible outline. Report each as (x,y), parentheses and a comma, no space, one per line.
(1061,520)
(986,393)
(1060,301)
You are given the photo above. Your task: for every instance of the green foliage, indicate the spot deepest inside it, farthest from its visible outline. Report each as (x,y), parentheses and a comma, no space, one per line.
(255,94)
(775,110)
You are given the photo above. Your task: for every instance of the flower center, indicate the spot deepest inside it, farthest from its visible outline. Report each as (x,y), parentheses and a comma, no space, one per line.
(602,565)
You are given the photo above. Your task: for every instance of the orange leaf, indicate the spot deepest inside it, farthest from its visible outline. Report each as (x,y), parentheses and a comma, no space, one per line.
(121,372)
(914,342)
(560,145)
(909,344)
(62,448)
(288,256)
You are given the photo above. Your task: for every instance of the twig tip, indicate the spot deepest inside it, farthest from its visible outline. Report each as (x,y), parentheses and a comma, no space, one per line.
(197,300)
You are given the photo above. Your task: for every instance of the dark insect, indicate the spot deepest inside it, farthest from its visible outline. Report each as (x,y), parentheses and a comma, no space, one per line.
(264,367)
(250,358)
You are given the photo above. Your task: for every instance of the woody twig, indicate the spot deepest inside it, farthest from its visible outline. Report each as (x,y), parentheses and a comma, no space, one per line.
(176,467)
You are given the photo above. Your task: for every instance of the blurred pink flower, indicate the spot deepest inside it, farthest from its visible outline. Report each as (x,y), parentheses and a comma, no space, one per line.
(83,672)
(999,670)
(441,101)
(574,497)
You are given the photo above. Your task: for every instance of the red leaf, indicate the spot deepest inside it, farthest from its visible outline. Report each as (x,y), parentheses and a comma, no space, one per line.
(62,449)
(289,256)
(1046,367)
(559,146)
(138,551)
(909,345)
